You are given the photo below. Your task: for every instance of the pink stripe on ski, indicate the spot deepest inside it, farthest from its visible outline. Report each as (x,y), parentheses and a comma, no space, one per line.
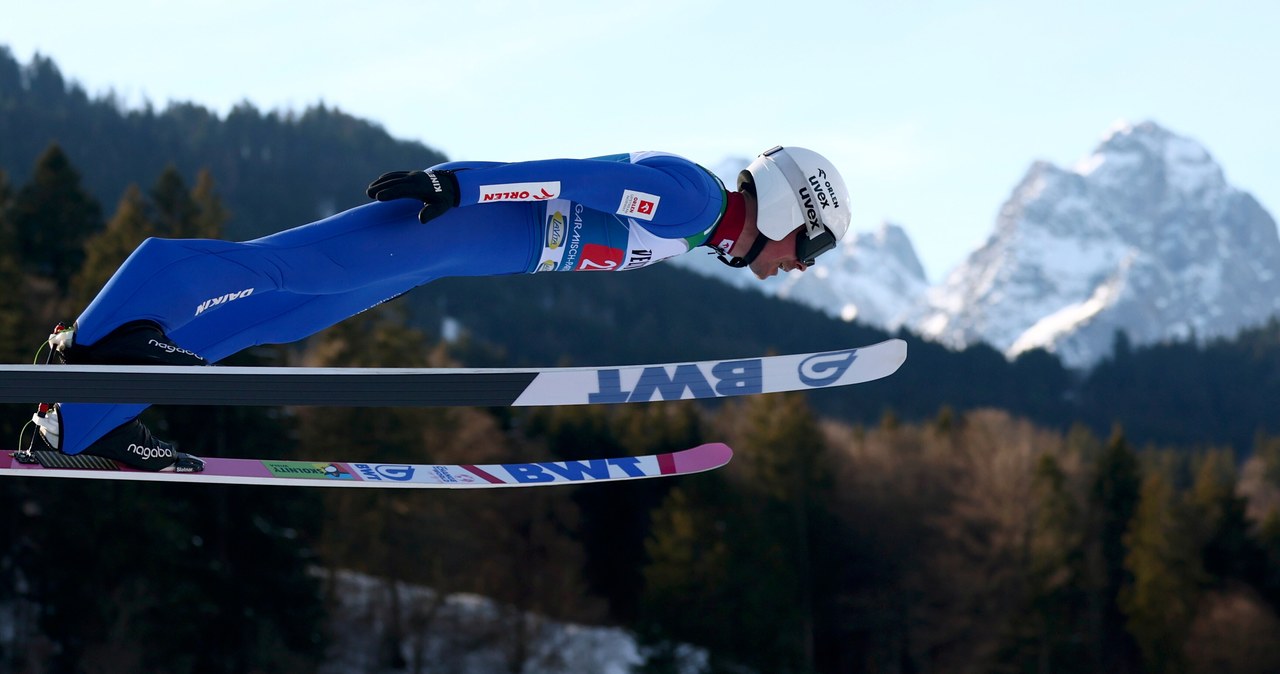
(703,457)
(666,463)
(482,474)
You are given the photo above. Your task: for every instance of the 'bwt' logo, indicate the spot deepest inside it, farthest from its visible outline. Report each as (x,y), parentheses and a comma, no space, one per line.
(822,369)
(575,471)
(731,377)
(727,378)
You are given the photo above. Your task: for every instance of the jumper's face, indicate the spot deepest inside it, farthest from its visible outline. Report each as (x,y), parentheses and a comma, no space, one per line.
(778,256)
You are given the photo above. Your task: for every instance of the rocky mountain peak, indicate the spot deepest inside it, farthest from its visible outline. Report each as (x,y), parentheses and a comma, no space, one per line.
(1143,235)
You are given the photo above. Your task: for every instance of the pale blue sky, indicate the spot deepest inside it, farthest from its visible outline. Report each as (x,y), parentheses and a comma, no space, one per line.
(933,110)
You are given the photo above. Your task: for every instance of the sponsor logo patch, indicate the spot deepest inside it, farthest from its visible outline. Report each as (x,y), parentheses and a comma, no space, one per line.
(520,192)
(638,205)
(822,369)
(385,471)
(229,297)
(556,229)
(638,257)
(171,348)
(379,472)
(308,471)
(150,452)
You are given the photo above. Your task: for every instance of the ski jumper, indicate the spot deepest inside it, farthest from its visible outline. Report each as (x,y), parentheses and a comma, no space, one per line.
(215,298)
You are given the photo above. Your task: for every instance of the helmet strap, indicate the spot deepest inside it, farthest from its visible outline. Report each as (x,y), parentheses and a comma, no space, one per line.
(752,253)
(730,228)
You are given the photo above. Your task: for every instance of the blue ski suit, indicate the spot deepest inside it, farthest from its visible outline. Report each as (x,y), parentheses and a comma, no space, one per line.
(216,298)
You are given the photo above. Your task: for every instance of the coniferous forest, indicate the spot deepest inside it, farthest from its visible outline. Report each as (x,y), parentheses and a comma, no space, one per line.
(968,514)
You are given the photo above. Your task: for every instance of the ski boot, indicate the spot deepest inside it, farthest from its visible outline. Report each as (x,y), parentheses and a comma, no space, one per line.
(134,343)
(130,443)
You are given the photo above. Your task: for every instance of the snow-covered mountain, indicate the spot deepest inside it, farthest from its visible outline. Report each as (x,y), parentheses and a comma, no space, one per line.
(873,277)
(1144,235)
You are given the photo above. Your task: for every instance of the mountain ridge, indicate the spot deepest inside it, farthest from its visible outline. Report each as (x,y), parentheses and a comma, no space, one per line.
(1144,235)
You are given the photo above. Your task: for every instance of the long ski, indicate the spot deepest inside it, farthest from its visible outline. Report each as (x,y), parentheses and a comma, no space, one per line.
(411,387)
(398,475)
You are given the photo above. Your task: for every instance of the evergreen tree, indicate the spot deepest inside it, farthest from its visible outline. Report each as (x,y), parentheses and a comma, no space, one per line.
(1057,596)
(747,549)
(1113,499)
(1160,599)
(786,455)
(688,578)
(616,522)
(1269,542)
(180,213)
(1222,528)
(175,211)
(375,338)
(526,559)
(13,324)
(54,215)
(133,577)
(361,531)
(14,316)
(105,252)
(211,214)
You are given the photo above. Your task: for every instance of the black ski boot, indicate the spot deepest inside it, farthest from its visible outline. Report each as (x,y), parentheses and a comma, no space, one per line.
(130,443)
(134,343)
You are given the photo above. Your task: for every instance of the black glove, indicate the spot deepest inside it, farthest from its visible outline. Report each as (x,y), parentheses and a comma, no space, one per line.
(437,190)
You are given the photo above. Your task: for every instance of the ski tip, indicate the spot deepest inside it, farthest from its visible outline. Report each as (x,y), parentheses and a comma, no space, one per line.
(897,349)
(703,457)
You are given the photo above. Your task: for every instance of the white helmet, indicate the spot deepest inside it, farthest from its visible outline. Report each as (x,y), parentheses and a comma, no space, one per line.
(793,187)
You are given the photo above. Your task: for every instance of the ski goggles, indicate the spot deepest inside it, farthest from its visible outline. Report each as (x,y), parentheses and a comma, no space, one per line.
(809,248)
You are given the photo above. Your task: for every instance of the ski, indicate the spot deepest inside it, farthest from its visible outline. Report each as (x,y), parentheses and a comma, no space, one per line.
(396,475)
(411,387)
